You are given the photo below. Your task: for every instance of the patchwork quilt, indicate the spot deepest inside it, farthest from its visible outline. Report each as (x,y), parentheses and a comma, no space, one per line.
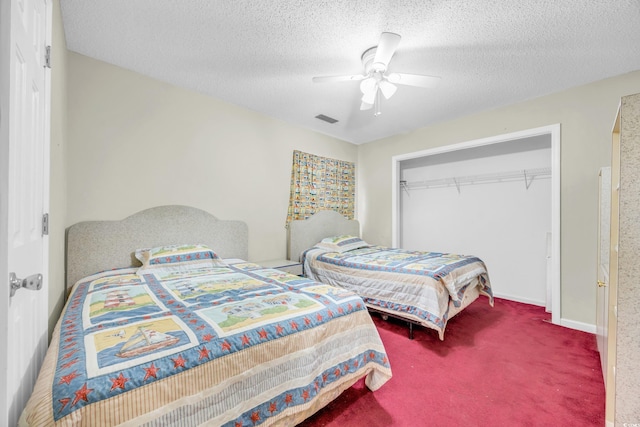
(425,287)
(234,345)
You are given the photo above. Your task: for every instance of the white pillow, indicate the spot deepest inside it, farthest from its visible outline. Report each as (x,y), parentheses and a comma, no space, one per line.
(342,243)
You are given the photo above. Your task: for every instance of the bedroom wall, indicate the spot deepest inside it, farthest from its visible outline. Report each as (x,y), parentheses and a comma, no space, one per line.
(135,142)
(58,201)
(586,116)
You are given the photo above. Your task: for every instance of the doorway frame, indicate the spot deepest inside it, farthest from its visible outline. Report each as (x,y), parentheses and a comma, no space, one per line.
(553,131)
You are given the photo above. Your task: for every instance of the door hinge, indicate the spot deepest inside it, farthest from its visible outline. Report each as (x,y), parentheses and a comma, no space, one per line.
(47,56)
(45,224)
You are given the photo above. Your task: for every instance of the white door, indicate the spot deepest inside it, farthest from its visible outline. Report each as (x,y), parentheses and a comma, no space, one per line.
(24,132)
(602,295)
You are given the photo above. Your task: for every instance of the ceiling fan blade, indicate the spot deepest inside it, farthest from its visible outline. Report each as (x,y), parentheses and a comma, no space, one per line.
(370,96)
(365,106)
(413,80)
(326,79)
(387,88)
(386,48)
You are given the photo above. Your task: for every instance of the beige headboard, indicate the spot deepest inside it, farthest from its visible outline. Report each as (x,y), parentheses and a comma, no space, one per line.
(94,246)
(303,234)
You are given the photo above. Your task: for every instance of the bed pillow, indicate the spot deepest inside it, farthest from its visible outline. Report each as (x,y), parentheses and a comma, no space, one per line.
(342,243)
(177,258)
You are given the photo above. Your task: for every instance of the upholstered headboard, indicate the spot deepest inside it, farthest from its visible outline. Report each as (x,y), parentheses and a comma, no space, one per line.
(303,234)
(94,246)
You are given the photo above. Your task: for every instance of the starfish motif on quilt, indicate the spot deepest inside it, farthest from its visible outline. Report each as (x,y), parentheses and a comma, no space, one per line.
(69,354)
(273,407)
(179,362)
(81,394)
(245,340)
(68,378)
(70,364)
(119,382)
(151,371)
(65,401)
(288,399)
(204,353)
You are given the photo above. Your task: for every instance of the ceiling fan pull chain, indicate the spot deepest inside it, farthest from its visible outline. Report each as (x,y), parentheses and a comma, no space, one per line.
(377,111)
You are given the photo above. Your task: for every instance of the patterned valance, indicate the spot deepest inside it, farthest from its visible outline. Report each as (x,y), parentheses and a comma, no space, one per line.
(320,183)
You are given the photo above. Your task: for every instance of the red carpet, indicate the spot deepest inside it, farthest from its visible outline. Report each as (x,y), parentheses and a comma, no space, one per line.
(500,366)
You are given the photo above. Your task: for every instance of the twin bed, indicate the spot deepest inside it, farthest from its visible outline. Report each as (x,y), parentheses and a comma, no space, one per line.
(167,324)
(424,288)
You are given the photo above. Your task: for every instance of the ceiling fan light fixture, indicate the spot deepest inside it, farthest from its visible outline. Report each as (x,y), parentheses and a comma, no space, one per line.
(368,85)
(365,106)
(370,97)
(387,88)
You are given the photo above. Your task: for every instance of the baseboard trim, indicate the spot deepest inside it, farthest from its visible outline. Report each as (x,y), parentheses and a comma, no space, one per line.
(580,326)
(567,323)
(518,299)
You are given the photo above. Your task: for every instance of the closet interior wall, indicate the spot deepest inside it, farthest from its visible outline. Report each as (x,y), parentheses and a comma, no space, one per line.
(488,202)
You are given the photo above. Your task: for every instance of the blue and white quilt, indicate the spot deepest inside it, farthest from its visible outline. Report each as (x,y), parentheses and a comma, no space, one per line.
(233,345)
(426,287)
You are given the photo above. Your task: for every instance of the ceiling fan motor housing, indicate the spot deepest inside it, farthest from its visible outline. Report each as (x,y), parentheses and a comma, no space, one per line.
(367,61)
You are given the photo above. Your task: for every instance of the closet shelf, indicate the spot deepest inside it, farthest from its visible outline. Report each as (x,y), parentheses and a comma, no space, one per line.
(526,175)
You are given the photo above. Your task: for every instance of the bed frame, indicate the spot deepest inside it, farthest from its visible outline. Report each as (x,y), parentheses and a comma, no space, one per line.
(94,246)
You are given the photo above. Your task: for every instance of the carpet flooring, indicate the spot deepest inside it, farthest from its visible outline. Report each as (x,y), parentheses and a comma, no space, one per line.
(505,365)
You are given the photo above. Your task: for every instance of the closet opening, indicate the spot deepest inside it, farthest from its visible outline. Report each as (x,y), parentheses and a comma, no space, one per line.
(497,198)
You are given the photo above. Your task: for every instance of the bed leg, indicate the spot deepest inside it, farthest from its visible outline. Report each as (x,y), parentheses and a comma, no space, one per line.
(410,330)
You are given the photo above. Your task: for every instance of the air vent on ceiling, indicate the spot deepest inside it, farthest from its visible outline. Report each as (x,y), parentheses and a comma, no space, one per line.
(326,118)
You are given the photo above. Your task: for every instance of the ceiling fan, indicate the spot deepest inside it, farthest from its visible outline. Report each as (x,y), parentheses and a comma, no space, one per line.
(375,79)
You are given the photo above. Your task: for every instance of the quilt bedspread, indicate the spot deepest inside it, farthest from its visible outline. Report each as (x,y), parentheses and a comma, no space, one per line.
(421,285)
(238,345)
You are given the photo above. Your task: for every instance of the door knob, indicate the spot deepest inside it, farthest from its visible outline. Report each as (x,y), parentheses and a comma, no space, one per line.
(601,284)
(33,282)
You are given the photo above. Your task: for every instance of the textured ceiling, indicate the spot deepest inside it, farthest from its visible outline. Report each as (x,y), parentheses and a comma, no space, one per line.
(263,54)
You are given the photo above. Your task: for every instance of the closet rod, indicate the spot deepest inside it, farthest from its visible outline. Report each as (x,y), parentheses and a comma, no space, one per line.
(527,175)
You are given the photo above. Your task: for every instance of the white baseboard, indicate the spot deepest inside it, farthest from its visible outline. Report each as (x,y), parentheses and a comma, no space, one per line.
(567,323)
(519,299)
(580,326)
